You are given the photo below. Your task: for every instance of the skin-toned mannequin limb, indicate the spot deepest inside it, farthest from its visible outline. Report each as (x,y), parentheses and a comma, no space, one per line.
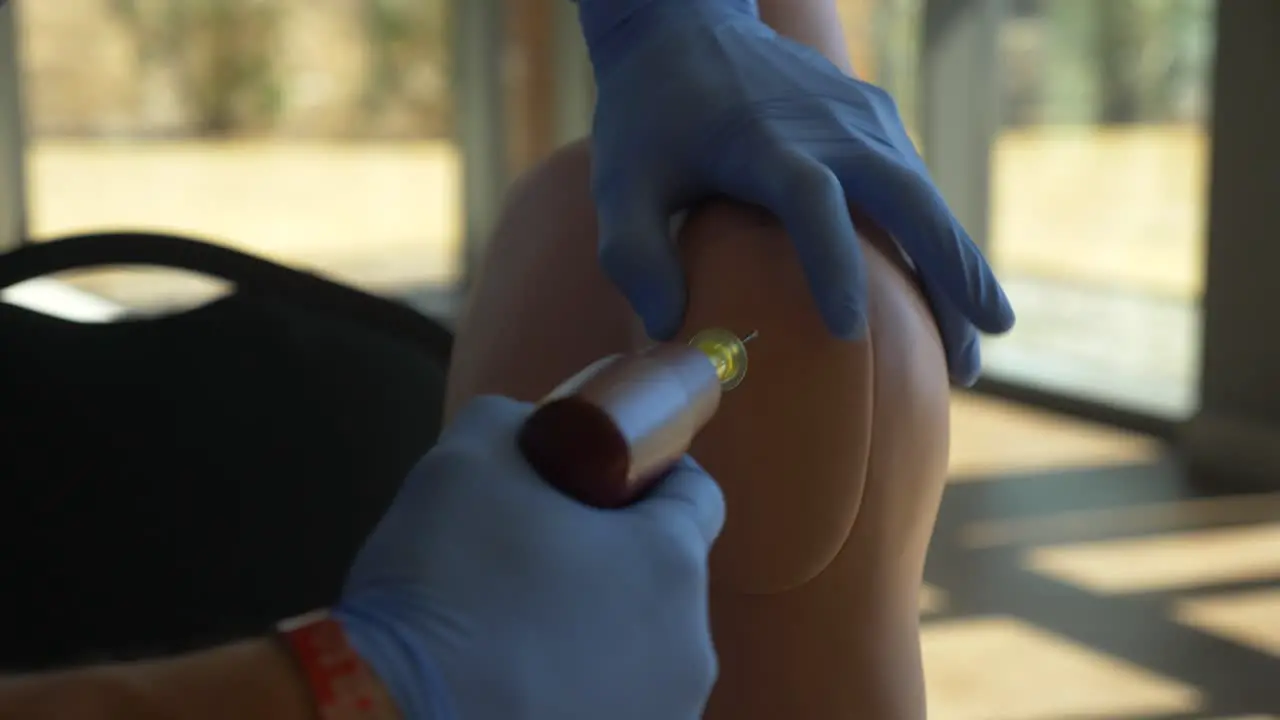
(832,455)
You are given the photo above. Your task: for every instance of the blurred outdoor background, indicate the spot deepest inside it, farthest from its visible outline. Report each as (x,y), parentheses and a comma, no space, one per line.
(325,134)
(315,133)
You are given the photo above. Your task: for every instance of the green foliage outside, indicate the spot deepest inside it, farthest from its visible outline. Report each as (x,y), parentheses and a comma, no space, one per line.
(221,52)
(1095,61)
(403,35)
(1105,62)
(224,56)
(1116,62)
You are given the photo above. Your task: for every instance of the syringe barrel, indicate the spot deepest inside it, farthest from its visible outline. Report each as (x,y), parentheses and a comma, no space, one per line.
(608,433)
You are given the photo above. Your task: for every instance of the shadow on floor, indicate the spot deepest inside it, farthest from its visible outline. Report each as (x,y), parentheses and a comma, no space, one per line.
(1113,592)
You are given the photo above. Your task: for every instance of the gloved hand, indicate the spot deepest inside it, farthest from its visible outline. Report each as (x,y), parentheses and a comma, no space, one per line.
(699,98)
(486,594)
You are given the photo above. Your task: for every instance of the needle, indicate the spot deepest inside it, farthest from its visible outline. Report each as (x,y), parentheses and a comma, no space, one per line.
(751,336)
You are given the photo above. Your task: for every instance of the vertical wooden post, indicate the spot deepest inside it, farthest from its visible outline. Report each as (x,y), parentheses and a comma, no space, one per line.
(12,158)
(1235,437)
(529,82)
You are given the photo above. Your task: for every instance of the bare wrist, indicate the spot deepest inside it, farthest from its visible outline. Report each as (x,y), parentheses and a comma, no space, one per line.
(98,693)
(250,679)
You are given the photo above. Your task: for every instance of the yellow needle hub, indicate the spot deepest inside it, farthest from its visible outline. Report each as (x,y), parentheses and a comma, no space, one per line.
(727,352)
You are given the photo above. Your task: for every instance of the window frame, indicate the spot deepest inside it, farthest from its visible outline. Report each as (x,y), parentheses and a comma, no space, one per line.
(13,196)
(478,28)
(1235,437)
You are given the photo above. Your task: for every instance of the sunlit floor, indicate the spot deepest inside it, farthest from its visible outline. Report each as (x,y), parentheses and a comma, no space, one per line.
(1076,573)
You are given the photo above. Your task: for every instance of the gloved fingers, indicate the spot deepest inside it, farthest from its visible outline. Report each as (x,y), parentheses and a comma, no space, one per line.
(486,419)
(689,497)
(959,339)
(483,432)
(638,254)
(809,200)
(910,208)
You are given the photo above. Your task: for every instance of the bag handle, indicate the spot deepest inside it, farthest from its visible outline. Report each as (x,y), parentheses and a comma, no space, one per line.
(249,273)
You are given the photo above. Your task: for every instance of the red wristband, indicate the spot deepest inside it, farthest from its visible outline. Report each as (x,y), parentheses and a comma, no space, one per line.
(343,686)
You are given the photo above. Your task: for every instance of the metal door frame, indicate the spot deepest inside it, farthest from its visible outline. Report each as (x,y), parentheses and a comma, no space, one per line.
(13,186)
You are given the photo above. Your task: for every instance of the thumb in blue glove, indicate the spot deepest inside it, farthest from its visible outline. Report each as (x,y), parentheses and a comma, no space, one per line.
(699,98)
(485,593)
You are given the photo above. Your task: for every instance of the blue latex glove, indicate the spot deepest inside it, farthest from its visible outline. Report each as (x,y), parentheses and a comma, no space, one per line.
(485,594)
(699,98)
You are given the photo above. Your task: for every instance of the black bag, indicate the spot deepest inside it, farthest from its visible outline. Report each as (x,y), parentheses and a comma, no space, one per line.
(185,479)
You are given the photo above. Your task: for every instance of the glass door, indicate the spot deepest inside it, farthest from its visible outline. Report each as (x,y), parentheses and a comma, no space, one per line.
(1098,197)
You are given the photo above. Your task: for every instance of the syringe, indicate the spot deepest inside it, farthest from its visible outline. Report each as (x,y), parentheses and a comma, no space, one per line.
(605,435)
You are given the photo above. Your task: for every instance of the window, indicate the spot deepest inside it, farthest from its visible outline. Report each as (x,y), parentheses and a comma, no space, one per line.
(316,134)
(1099,195)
